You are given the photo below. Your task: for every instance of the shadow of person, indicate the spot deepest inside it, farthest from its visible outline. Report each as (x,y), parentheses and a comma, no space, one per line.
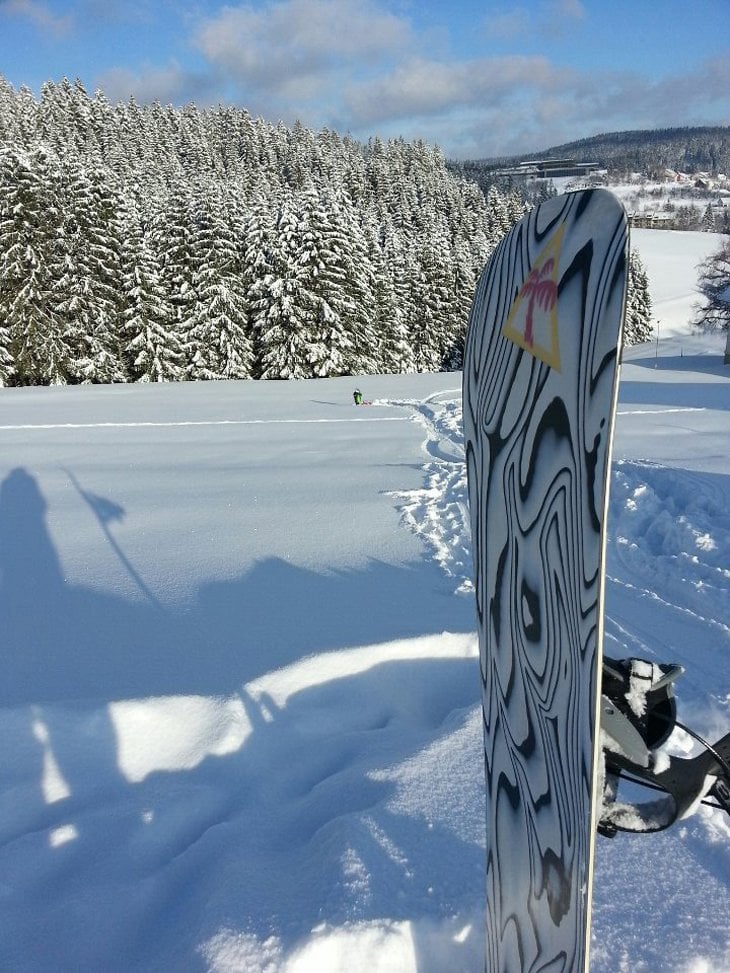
(61,641)
(51,769)
(29,566)
(32,589)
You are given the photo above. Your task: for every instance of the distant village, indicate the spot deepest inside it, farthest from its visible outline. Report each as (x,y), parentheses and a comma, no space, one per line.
(699,201)
(668,200)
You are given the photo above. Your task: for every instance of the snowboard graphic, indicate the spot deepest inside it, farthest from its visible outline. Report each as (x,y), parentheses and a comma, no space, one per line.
(540,384)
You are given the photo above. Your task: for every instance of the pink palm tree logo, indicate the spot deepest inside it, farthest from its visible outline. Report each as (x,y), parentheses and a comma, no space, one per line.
(540,289)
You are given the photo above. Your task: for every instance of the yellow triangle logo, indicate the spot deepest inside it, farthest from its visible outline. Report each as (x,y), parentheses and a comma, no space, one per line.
(532,322)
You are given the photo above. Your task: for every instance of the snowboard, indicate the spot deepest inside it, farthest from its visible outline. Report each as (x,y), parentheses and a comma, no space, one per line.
(539,395)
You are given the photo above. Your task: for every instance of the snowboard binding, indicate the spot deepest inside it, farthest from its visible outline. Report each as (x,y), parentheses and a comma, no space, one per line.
(638,715)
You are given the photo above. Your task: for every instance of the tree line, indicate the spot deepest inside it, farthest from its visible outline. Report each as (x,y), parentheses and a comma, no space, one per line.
(152,243)
(687,149)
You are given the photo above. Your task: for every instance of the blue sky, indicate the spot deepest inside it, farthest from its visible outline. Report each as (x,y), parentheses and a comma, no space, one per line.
(478,78)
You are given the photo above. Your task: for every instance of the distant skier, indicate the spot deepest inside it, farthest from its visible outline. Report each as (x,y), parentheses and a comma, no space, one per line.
(357,396)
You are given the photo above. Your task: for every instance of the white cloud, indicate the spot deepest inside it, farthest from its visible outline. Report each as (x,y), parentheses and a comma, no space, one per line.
(356,66)
(425,88)
(503,106)
(278,49)
(39,14)
(170,85)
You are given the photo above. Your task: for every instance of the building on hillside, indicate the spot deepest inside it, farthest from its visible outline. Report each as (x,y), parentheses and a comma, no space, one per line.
(549,169)
(649,219)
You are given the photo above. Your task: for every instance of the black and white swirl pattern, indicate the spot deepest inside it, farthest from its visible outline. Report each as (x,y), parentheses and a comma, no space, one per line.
(537,439)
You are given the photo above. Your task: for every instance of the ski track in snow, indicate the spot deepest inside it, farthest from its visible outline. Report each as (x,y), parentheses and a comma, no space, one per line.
(197,422)
(438,512)
(668,574)
(668,531)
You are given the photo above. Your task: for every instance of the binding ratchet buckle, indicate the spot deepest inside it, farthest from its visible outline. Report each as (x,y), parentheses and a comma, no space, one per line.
(638,715)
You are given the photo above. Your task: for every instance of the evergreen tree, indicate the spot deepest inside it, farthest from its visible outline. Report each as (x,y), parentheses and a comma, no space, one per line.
(7,366)
(30,226)
(172,229)
(151,342)
(322,286)
(435,319)
(637,325)
(464,287)
(280,304)
(422,324)
(333,251)
(27,119)
(391,299)
(86,292)
(9,133)
(500,219)
(219,333)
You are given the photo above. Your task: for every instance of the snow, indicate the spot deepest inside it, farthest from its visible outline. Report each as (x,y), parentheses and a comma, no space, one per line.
(239,696)
(672,270)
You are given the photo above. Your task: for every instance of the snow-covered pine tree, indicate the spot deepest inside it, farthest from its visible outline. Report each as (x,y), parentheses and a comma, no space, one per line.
(27,115)
(87,286)
(708,219)
(419,316)
(172,230)
(499,215)
(70,293)
(333,250)
(321,279)
(637,326)
(31,215)
(385,256)
(194,143)
(218,340)
(464,285)
(7,365)
(9,128)
(515,208)
(152,345)
(257,230)
(360,285)
(281,304)
(103,122)
(433,301)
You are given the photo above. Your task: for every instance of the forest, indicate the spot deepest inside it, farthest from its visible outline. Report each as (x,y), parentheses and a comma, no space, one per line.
(690,149)
(154,243)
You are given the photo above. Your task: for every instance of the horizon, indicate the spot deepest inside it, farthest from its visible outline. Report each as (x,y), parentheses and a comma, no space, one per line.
(516,79)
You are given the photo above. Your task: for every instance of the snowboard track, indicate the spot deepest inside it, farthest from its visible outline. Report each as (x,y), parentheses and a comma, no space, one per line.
(668,555)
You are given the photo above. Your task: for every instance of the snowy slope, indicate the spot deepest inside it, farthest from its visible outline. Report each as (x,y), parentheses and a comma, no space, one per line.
(239,687)
(671,258)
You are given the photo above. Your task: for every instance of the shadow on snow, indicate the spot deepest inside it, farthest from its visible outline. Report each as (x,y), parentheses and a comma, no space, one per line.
(61,641)
(255,840)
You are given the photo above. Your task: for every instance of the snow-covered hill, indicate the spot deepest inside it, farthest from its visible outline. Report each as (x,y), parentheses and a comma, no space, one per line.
(238,672)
